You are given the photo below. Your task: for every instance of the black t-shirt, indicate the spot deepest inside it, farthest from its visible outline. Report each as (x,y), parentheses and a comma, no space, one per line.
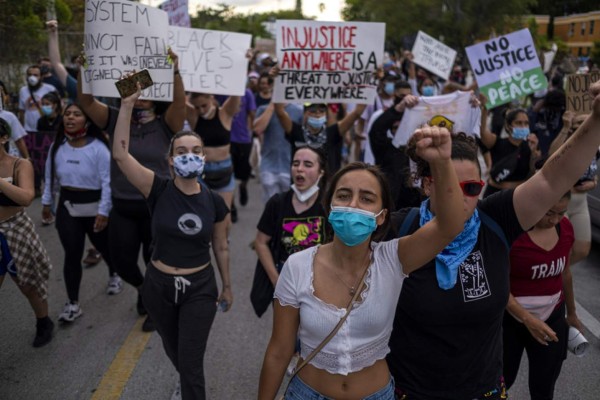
(261,101)
(44,124)
(330,138)
(182,225)
(504,148)
(297,231)
(447,344)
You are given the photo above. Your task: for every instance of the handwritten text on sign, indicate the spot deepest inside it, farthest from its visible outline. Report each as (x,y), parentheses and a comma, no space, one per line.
(507,67)
(211,61)
(578,92)
(433,55)
(328,61)
(122,36)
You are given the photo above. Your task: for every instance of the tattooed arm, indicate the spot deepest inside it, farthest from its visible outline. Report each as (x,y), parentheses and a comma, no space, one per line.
(139,176)
(536,196)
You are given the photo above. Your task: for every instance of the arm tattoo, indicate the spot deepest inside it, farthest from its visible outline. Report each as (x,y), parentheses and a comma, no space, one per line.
(124,144)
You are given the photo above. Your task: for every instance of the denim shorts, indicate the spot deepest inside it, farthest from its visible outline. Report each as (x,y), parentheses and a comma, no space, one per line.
(298,390)
(217,166)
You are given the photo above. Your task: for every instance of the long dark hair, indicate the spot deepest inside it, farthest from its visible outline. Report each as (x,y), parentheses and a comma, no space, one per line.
(60,138)
(386,194)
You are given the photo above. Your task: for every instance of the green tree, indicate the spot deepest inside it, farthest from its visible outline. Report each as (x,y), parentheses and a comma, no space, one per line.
(458,22)
(557,8)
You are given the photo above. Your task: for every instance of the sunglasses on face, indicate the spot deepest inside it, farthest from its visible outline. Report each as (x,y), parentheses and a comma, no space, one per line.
(471,188)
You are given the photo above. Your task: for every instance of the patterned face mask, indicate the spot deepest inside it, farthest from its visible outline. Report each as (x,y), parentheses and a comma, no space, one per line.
(188,166)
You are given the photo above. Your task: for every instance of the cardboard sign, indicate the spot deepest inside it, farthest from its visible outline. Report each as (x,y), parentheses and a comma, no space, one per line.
(122,36)
(507,67)
(178,12)
(578,92)
(433,55)
(323,62)
(211,61)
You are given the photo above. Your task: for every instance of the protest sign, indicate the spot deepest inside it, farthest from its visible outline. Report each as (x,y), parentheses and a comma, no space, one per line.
(211,61)
(122,36)
(324,62)
(578,92)
(433,55)
(178,12)
(507,67)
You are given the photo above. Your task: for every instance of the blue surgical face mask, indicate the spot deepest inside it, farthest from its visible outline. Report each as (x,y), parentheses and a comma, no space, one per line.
(47,110)
(520,133)
(427,91)
(188,165)
(352,225)
(389,88)
(316,123)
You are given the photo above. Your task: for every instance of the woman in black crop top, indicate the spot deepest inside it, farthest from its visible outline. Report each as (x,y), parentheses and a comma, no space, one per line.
(213,124)
(180,290)
(23,255)
(513,158)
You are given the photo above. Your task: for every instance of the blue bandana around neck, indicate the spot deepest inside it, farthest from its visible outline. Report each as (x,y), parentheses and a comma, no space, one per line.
(449,260)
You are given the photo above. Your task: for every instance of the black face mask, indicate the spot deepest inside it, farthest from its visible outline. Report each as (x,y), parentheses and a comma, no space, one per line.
(44,69)
(398,99)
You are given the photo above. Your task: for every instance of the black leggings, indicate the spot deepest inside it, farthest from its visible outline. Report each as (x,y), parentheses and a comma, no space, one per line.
(545,362)
(183,309)
(72,231)
(129,228)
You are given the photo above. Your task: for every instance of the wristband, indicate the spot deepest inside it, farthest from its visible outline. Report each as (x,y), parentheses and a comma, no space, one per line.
(176,72)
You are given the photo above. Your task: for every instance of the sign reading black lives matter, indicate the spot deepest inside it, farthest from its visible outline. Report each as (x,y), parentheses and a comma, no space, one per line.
(122,36)
(578,92)
(324,62)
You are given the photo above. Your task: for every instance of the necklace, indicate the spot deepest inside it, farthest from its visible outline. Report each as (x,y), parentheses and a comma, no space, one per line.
(352,288)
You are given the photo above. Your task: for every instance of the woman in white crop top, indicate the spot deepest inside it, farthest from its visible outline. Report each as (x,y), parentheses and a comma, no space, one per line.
(316,284)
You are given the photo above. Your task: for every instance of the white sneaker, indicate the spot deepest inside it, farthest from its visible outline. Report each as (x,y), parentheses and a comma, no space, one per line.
(70,312)
(115,285)
(177,393)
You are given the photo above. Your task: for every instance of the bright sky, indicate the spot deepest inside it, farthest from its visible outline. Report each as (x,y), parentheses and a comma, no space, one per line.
(332,11)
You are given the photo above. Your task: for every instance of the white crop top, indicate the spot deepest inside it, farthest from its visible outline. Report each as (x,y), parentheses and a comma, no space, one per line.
(363,338)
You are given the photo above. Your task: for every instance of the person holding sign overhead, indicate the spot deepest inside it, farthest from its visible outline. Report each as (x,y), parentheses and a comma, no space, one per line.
(180,289)
(513,158)
(151,133)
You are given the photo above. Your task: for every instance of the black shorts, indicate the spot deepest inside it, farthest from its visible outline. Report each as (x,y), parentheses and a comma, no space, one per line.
(240,157)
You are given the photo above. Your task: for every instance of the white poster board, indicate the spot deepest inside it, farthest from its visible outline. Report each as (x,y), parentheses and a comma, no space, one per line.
(507,67)
(211,61)
(323,62)
(178,11)
(122,36)
(433,55)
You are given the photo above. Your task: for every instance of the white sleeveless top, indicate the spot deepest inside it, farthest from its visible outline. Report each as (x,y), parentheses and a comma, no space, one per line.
(363,338)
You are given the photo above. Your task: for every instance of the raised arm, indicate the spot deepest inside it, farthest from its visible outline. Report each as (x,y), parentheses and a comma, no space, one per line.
(175,114)
(284,118)
(97,111)
(535,196)
(346,123)
(435,145)
(54,52)
(487,138)
(139,176)
(230,107)
(262,121)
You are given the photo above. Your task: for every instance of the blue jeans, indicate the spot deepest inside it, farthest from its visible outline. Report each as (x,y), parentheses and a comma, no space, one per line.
(298,390)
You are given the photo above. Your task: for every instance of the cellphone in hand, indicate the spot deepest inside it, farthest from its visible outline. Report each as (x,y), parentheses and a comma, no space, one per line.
(127,86)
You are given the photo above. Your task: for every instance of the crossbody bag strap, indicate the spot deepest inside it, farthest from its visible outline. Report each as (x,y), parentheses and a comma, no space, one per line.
(333,332)
(37,105)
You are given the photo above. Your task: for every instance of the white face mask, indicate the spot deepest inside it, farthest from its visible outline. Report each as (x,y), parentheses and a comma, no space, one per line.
(32,80)
(303,196)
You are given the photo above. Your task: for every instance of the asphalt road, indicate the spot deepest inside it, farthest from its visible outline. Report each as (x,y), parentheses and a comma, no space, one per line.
(99,344)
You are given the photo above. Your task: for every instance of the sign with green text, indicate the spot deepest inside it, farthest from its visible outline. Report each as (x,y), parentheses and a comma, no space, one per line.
(507,67)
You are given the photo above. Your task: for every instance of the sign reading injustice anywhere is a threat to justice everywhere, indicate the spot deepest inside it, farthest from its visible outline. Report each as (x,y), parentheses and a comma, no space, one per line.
(507,67)
(211,61)
(122,36)
(324,62)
